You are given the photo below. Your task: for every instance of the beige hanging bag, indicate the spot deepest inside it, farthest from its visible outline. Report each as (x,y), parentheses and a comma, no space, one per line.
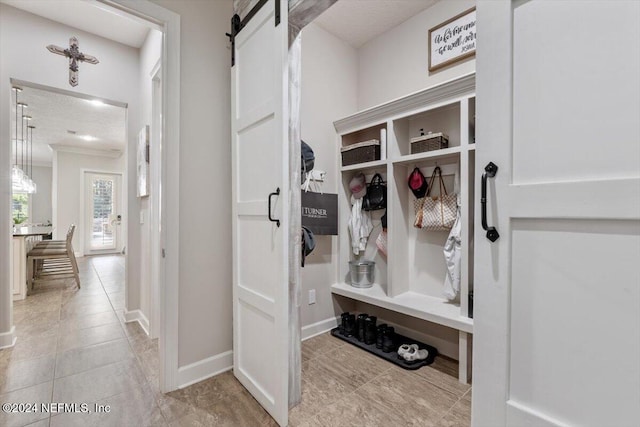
(438,212)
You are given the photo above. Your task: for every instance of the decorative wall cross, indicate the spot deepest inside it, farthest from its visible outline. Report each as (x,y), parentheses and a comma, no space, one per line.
(74,55)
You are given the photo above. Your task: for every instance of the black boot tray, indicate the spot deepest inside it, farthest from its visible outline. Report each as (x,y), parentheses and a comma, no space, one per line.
(393,355)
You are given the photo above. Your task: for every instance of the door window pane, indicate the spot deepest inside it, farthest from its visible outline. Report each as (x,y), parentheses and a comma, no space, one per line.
(20,207)
(102,232)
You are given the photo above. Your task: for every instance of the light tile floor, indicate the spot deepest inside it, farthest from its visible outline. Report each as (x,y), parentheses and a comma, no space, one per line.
(345,386)
(74,347)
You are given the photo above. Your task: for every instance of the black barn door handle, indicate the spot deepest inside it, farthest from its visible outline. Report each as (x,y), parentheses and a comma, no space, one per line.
(489,172)
(276,193)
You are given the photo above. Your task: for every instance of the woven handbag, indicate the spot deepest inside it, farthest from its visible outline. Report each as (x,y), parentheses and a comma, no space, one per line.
(417,207)
(439,212)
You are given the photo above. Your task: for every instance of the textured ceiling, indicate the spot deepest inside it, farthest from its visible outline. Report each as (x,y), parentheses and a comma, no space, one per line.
(54,113)
(358,21)
(87,16)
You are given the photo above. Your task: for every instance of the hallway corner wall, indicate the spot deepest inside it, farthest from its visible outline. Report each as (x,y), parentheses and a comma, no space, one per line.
(205,280)
(329,92)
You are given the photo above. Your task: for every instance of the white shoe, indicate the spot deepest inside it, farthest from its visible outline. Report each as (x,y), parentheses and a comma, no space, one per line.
(405,348)
(414,354)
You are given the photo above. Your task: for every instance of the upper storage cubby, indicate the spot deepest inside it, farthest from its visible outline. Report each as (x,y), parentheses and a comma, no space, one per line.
(363,147)
(366,134)
(437,128)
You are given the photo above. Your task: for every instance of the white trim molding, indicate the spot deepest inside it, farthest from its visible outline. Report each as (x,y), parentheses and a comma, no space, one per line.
(137,316)
(433,95)
(113,153)
(8,339)
(519,414)
(318,328)
(205,368)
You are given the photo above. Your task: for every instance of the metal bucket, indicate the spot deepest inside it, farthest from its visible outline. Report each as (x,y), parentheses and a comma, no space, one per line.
(362,273)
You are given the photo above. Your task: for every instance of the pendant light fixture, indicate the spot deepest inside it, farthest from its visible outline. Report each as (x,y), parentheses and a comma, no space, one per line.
(21,182)
(33,185)
(28,182)
(17,174)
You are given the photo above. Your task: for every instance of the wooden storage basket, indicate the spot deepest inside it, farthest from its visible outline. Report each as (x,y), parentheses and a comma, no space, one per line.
(429,142)
(362,152)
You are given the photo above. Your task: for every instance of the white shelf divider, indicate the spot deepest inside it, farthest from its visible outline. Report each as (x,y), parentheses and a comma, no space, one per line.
(364,166)
(421,306)
(442,154)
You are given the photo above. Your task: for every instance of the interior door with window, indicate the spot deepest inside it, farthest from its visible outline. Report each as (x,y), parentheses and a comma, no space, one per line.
(260,188)
(557,295)
(102,214)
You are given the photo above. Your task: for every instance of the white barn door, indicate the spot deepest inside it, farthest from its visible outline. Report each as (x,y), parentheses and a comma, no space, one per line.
(557,309)
(260,223)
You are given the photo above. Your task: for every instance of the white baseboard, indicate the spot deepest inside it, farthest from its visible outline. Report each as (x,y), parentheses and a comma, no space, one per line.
(205,368)
(215,365)
(318,328)
(137,316)
(8,339)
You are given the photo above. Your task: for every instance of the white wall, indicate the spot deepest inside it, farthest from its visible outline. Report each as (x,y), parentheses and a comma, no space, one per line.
(23,38)
(68,185)
(205,310)
(395,63)
(41,201)
(150,53)
(329,92)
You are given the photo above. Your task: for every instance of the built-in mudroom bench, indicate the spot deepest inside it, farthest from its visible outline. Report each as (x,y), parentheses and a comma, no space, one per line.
(410,279)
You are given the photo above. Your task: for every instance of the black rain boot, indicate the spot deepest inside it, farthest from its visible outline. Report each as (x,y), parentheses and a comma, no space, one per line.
(380,335)
(360,325)
(350,328)
(389,340)
(370,330)
(343,323)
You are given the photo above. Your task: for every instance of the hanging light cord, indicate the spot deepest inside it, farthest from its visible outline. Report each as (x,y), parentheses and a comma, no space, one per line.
(16,151)
(29,151)
(22,132)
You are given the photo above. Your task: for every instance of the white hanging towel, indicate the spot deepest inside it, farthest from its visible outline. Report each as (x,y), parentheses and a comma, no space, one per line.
(453,252)
(360,226)
(452,255)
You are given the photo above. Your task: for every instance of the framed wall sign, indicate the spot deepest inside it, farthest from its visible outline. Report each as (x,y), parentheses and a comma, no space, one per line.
(453,40)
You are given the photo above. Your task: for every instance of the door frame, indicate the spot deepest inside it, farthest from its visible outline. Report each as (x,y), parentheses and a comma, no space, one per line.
(83,217)
(168,23)
(156,207)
